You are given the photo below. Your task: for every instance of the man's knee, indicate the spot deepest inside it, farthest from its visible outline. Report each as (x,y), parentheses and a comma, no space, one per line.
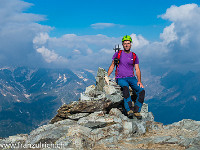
(136,109)
(141,96)
(126,92)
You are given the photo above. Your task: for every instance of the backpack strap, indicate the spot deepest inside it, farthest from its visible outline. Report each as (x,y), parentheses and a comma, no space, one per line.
(119,54)
(134,58)
(118,57)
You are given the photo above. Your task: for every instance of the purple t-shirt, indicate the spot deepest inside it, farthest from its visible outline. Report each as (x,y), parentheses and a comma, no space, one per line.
(125,67)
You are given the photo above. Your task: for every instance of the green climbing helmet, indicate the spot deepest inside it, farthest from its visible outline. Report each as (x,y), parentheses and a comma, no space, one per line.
(127,38)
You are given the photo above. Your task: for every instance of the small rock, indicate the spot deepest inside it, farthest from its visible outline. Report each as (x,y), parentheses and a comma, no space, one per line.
(95,125)
(15,139)
(116,99)
(108,89)
(160,140)
(172,141)
(78,116)
(90,90)
(49,135)
(141,126)
(65,141)
(144,108)
(84,97)
(186,142)
(193,148)
(128,127)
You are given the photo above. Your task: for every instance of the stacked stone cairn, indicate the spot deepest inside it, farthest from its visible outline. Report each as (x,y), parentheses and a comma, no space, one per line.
(97,121)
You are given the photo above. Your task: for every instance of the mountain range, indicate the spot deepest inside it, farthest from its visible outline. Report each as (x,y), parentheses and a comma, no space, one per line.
(30,97)
(179,99)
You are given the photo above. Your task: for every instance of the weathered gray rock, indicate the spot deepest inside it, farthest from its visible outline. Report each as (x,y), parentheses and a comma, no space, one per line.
(84,97)
(188,124)
(144,108)
(49,133)
(77,116)
(140,126)
(81,107)
(95,125)
(128,128)
(193,148)
(147,116)
(65,141)
(96,119)
(115,99)
(172,141)
(162,139)
(19,138)
(80,136)
(102,134)
(186,142)
(116,112)
(154,125)
(196,141)
(110,90)
(90,90)
(100,82)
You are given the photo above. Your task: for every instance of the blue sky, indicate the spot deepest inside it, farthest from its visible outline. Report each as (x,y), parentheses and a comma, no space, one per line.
(82,34)
(140,17)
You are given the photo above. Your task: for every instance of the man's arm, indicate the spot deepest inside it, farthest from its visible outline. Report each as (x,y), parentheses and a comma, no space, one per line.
(111,68)
(138,74)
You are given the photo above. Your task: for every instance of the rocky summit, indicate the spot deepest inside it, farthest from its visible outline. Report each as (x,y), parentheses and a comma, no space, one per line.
(98,121)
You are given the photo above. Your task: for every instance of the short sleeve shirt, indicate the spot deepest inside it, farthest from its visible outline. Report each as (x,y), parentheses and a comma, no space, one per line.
(125,67)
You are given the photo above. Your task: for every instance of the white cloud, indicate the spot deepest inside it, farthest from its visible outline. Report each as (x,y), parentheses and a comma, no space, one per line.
(87,51)
(17,30)
(169,35)
(76,51)
(51,56)
(179,48)
(184,51)
(41,39)
(139,41)
(104,25)
(183,13)
(106,51)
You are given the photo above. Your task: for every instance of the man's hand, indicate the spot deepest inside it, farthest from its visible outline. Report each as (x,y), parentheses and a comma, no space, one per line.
(140,84)
(106,79)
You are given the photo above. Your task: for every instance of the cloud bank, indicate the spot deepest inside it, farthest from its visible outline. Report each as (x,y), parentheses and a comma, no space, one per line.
(17,30)
(180,46)
(89,51)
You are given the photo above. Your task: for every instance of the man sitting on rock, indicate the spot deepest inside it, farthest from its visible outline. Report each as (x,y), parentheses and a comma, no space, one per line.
(125,62)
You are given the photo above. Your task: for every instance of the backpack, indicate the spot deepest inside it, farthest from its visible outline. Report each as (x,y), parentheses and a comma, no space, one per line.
(118,60)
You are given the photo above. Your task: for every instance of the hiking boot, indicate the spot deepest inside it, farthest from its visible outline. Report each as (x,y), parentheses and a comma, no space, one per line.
(130,114)
(138,116)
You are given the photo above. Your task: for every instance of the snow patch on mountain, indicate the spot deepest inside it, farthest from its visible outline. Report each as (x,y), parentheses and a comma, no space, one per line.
(27,95)
(43,84)
(194,97)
